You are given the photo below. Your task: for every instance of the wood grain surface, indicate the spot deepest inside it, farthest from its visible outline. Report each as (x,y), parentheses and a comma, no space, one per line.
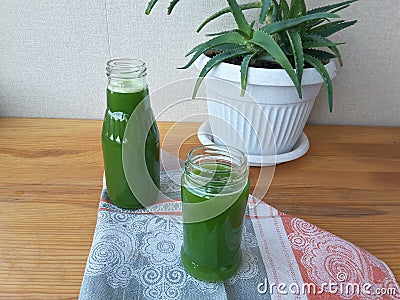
(51,177)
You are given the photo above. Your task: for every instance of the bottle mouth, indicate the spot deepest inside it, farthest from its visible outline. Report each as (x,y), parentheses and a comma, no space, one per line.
(125,68)
(216,165)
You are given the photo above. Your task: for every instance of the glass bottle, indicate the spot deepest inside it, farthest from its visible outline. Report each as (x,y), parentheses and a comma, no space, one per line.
(215,188)
(128,96)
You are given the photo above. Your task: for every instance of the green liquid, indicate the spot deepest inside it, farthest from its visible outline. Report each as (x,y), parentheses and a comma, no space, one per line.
(211,248)
(119,109)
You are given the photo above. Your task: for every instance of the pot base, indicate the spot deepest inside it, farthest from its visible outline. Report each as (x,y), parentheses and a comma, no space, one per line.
(301,147)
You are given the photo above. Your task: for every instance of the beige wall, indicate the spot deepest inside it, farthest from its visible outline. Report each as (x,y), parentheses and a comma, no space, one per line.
(53,54)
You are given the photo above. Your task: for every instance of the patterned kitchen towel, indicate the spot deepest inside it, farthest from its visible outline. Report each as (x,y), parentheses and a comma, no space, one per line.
(136,255)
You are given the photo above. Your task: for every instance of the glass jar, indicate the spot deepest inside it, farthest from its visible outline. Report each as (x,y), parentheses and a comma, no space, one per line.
(215,188)
(127,91)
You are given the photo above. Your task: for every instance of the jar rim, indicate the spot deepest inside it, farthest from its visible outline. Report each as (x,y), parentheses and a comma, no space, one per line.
(125,68)
(201,157)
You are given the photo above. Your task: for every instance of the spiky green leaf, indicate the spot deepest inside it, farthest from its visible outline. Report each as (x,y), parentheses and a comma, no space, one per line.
(335,50)
(295,8)
(303,8)
(326,8)
(319,54)
(325,76)
(319,44)
(284,9)
(150,6)
(229,38)
(215,61)
(244,70)
(297,50)
(171,6)
(315,41)
(225,11)
(223,32)
(275,11)
(330,28)
(232,38)
(265,41)
(314,23)
(303,11)
(287,24)
(265,6)
(239,17)
(265,57)
(224,47)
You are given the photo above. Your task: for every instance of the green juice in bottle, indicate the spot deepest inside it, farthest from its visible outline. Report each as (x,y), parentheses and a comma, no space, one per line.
(127,95)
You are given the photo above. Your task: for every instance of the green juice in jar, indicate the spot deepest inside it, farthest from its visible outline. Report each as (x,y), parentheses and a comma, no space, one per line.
(126,91)
(213,213)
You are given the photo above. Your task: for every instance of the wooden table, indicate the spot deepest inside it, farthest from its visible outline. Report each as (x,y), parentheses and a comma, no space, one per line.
(51,177)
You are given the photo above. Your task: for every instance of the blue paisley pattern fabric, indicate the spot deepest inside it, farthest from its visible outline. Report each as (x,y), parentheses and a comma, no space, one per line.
(136,255)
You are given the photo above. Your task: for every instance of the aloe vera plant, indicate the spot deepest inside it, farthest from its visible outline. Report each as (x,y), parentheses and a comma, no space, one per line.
(287,34)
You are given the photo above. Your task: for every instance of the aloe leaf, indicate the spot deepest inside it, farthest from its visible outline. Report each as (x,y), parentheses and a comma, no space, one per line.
(319,43)
(225,11)
(223,32)
(244,70)
(303,8)
(224,47)
(229,38)
(331,28)
(303,12)
(264,57)
(265,41)
(239,17)
(150,6)
(172,5)
(335,50)
(297,49)
(219,40)
(286,24)
(202,50)
(320,54)
(284,8)
(325,76)
(321,39)
(326,8)
(316,41)
(314,23)
(275,12)
(339,8)
(324,26)
(265,5)
(295,7)
(215,61)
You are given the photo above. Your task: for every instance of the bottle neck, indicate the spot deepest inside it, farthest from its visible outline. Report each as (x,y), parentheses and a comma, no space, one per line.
(127,85)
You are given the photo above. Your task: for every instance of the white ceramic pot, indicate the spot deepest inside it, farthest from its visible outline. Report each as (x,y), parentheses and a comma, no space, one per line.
(271,98)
